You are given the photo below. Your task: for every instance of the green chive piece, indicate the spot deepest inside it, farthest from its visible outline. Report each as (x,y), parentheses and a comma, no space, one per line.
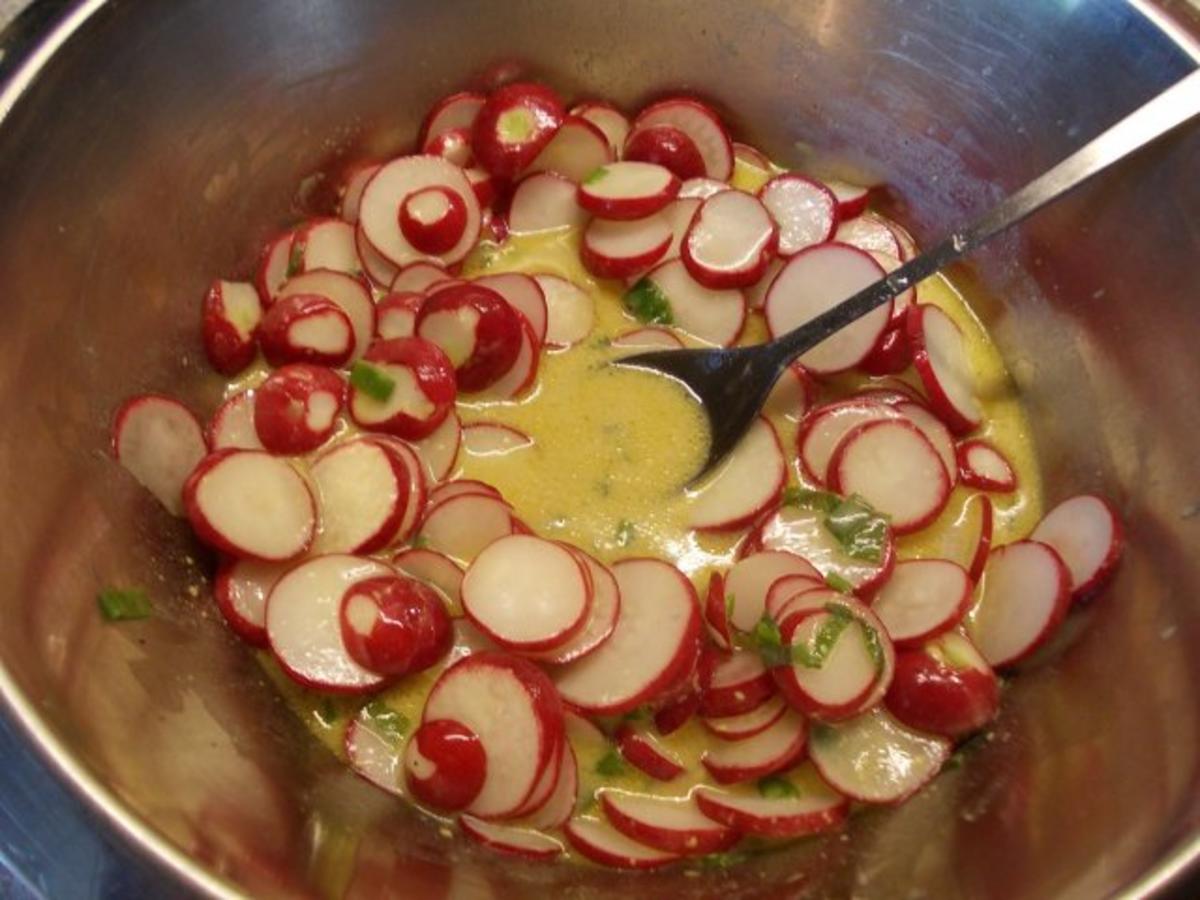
(625,533)
(610,764)
(118,605)
(372,381)
(775,788)
(814,654)
(295,258)
(596,174)
(769,643)
(391,724)
(648,303)
(838,583)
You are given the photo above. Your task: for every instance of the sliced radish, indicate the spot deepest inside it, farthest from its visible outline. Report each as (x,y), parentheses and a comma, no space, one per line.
(274,267)
(610,120)
(666,146)
(436,569)
(362,494)
(418,277)
(1024,595)
(410,389)
(449,489)
(792,395)
(923,599)
(395,625)
(377,267)
(940,358)
(790,593)
(303,622)
(524,295)
(1086,533)
(669,294)
(627,190)
(232,424)
(545,202)
(385,195)
(892,353)
(648,339)
(558,807)
(241,588)
(701,188)
(673,712)
(774,749)
(730,241)
(418,490)
(159,442)
(717,612)
(944,687)
(745,485)
(672,824)
(231,314)
(871,233)
(602,618)
(396,315)
(570,309)
(433,219)
(347,292)
(908,246)
(980,465)
(453,145)
(620,249)
(250,504)
(851,198)
(445,765)
(794,805)
(352,191)
(306,328)
(936,431)
(493,439)
(967,539)
(526,593)
(522,842)
(822,430)
(577,150)
(654,644)
(679,214)
(455,111)
(700,124)
(512,707)
(642,750)
(732,683)
(748,724)
(804,210)
(756,294)
(750,578)
(514,125)
(375,754)
(601,843)
(814,281)
(476,327)
(751,156)
(326,244)
(894,467)
(439,451)
(904,299)
(462,526)
(875,759)
(522,374)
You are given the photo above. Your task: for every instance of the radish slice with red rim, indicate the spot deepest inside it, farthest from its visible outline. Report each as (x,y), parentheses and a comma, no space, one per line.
(433,219)
(822,430)
(558,807)
(407,388)
(756,294)
(374,748)
(772,750)
(935,431)
(672,824)
(453,145)
(303,623)
(523,842)
(730,241)
(875,759)
(732,683)
(902,301)
(785,594)
(545,202)
(448,489)
(274,267)
(751,156)
(923,599)
(306,328)
(602,618)
(747,724)
(241,588)
(1086,533)
(648,339)
(439,451)
(627,190)
(232,424)
(396,315)
(814,281)
(717,612)
(851,198)
(599,842)
(940,358)
(394,625)
(455,111)
(786,806)
(463,526)
(980,465)
(894,467)
(577,150)
(445,765)
(159,442)
(610,120)
(296,409)
(679,214)
(620,249)
(476,327)
(524,295)
(749,579)
(700,124)
(348,292)
(379,269)
(666,146)
(493,439)
(435,569)
(418,489)
(326,244)
(571,312)
(1023,596)
(352,190)
(804,210)
(654,644)
(944,687)
(514,125)
(744,486)
(642,750)
(701,188)
(522,374)
(362,492)
(871,233)
(670,295)
(229,322)
(418,277)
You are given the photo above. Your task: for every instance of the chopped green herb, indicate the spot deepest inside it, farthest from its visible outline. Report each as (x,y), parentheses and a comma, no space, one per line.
(769,643)
(420,542)
(121,605)
(814,654)
(625,533)
(589,803)
(874,646)
(391,724)
(730,603)
(372,381)
(838,583)
(610,764)
(596,175)
(647,301)
(860,530)
(725,860)
(516,124)
(822,501)
(775,788)
(295,258)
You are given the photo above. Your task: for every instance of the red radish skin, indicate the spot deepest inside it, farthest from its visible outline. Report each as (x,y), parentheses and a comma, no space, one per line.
(716,614)
(791,592)
(362,489)
(602,618)
(730,242)
(559,805)
(394,625)
(822,430)
(851,198)
(666,146)
(648,339)
(326,243)
(804,210)
(545,202)
(350,293)
(423,389)
(435,569)
(571,312)
(610,120)
(445,765)
(732,683)
(750,579)
(352,190)
(748,724)
(815,808)
(231,314)
(577,149)
(525,295)
(599,842)
(944,688)
(274,267)
(1024,595)
(418,278)
(159,442)
(923,599)
(627,190)
(775,749)
(379,269)
(296,409)
(981,465)
(241,587)
(983,546)
(671,824)
(513,126)
(701,125)
(1086,533)
(621,249)
(455,111)
(479,331)
(940,359)
(644,753)
(509,839)
(232,425)
(675,712)
(522,374)
(433,219)
(306,328)
(710,316)
(701,188)
(418,488)
(396,315)
(749,483)
(453,145)
(891,355)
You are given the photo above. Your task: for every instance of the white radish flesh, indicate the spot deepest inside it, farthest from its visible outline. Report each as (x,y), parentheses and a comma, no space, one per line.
(772,750)
(603,844)
(1086,533)
(159,442)
(352,193)
(620,249)
(851,198)
(347,292)
(923,599)
(749,580)
(232,424)
(822,430)
(871,233)
(439,451)
(452,112)
(462,526)
(545,202)
(672,824)
(328,244)
(747,724)
(710,316)
(730,241)
(700,124)
(940,358)
(492,439)
(982,466)
(570,309)
(557,808)
(362,494)
(936,431)
(577,149)
(641,748)
(805,211)
(418,277)
(610,121)
(378,268)
(809,807)
(1023,597)
(628,190)
(745,485)
(523,294)
(241,588)
(602,618)
(679,214)
(435,569)
(522,842)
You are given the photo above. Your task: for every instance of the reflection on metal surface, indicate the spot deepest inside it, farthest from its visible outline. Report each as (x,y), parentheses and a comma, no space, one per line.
(163,142)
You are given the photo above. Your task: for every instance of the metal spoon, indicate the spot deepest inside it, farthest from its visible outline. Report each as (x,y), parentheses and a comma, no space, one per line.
(733,384)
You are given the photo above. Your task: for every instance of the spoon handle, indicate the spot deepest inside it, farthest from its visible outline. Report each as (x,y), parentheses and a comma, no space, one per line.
(1170,109)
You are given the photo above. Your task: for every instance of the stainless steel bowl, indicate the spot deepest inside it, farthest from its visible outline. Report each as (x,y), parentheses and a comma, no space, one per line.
(145,147)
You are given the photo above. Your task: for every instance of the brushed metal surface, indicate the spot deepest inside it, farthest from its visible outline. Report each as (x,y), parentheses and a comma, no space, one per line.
(160,143)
